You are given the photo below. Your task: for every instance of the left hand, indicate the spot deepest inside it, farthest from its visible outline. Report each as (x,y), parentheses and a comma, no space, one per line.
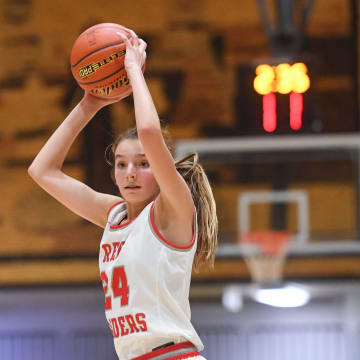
(96,103)
(135,51)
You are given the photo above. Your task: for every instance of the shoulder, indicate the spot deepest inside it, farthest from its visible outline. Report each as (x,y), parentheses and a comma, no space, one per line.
(113,208)
(170,211)
(176,227)
(114,205)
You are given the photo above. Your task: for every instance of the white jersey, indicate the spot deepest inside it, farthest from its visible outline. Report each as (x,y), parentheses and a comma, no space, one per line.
(146,281)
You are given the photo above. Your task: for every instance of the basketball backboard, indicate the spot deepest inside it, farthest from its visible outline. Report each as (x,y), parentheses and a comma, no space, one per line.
(306,185)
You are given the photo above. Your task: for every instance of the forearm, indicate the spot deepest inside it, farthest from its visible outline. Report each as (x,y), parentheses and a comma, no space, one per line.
(145,111)
(53,153)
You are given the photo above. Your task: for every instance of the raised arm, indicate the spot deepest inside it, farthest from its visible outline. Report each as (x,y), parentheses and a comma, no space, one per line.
(175,202)
(46,167)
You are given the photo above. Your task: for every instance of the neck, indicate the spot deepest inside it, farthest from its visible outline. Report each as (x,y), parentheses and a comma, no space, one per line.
(134,209)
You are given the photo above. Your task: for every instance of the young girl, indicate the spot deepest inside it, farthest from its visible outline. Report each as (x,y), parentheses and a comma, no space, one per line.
(163,223)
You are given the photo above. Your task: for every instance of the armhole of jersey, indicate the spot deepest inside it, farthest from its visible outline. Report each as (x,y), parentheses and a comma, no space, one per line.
(112,207)
(165,241)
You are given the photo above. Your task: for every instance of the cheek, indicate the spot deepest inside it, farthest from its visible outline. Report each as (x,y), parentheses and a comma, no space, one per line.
(119,176)
(149,178)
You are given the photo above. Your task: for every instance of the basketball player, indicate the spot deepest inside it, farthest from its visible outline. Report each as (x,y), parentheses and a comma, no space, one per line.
(162,225)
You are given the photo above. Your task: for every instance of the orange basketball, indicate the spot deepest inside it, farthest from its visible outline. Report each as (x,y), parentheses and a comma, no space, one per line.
(97,60)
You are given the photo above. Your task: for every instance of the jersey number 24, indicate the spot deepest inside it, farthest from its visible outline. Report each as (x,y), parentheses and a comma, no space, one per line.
(119,287)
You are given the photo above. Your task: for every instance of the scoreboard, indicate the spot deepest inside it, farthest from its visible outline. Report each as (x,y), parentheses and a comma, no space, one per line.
(283,79)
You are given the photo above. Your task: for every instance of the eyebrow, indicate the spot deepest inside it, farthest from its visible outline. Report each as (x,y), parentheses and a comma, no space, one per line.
(139,155)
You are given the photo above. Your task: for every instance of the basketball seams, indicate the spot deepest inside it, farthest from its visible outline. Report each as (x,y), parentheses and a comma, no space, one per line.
(95,51)
(94,29)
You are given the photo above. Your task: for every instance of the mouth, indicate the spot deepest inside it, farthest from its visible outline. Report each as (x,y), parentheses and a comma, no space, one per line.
(132,187)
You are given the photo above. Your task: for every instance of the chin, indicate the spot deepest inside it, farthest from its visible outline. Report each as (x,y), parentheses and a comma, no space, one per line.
(135,198)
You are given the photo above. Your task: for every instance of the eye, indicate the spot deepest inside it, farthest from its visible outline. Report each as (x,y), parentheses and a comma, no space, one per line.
(144,163)
(120,165)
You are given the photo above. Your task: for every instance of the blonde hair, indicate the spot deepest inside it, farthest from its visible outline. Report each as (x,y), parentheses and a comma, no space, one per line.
(198,183)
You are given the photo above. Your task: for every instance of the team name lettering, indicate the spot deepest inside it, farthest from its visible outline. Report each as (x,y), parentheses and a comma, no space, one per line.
(112,251)
(92,68)
(127,324)
(108,89)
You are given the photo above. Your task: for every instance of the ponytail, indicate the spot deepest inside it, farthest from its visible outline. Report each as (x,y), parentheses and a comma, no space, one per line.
(198,183)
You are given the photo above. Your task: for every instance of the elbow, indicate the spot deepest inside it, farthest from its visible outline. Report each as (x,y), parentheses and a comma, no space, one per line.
(40,174)
(32,172)
(35,173)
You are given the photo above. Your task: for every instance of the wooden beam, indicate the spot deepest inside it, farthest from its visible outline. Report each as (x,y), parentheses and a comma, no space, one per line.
(326,268)
(49,272)
(85,271)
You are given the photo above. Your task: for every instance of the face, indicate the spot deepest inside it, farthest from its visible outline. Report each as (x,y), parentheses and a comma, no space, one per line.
(133,174)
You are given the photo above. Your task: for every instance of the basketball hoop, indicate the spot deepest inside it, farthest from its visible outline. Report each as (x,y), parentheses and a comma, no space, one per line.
(264,254)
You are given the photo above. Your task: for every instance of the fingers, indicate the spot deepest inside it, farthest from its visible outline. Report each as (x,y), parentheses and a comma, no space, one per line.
(135,43)
(142,48)
(139,43)
(123,37)
(117,98)
(135,37)
(129,31)
(143,58)
(142,45)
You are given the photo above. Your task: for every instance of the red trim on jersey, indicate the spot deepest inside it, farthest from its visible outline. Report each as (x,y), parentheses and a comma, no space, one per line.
(171,348)
(163,238)
(184,356)
(124,224)
(112,206)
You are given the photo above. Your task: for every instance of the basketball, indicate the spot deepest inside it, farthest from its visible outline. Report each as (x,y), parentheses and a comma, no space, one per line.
(97,60)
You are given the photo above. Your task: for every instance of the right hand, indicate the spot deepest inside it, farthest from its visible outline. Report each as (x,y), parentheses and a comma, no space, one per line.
(135,56)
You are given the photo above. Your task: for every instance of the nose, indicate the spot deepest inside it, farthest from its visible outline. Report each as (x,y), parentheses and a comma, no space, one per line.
(131,171)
